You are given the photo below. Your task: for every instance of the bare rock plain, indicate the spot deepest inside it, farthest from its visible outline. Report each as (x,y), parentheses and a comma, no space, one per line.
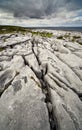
(41,81)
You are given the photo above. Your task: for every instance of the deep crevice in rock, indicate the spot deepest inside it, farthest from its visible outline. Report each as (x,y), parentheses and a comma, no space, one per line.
(44,88)
(25,62)
(52,121)
(80,97)
(33,42)
(14,44)
(7,85)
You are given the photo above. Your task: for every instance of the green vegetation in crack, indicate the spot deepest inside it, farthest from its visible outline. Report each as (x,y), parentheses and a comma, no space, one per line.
(66,36)
(2,49)
(80,42)
(1,68)
(70,38)
(76,37)
(5,40)
(60,37)
(17,73)
(38,84)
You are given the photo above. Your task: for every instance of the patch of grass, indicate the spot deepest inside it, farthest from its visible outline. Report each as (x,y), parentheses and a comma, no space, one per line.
(43,34)
(11,29)
(76,37)
(80,43)
(15,29)
(66,35)
(69,37)
(5,40)
(1,49)
(60,37)
(1,68)
(72,40)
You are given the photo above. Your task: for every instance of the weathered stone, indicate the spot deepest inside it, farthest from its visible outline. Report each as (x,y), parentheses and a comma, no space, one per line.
(15,40)
(15,64)
(22,106)
(5,79)
(32,61)
(66,105)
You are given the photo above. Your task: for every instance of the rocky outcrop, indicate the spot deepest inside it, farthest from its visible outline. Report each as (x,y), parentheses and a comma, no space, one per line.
(40,82)
(22,105)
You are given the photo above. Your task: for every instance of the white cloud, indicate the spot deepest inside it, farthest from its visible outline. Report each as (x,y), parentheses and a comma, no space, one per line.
(60,18)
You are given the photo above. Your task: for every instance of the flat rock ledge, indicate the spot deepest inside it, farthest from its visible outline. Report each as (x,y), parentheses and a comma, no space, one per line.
(41,81)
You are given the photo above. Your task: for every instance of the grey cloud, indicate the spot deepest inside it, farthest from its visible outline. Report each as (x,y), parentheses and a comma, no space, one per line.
(38,8)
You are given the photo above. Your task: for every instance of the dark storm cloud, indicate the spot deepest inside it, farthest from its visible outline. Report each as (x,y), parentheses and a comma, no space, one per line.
(38,8)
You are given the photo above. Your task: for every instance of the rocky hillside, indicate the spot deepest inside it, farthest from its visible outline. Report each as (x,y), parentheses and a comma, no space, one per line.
(41,80)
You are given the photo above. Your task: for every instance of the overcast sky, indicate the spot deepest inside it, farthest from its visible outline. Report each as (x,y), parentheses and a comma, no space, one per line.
(41,12)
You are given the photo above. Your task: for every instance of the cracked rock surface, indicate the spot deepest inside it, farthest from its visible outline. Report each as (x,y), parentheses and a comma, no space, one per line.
(41,81)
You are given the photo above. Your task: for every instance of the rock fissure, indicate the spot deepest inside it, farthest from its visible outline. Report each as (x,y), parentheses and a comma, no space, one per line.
(5,86)
(33,43)
(44,88)
(52,119)
(14,44)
